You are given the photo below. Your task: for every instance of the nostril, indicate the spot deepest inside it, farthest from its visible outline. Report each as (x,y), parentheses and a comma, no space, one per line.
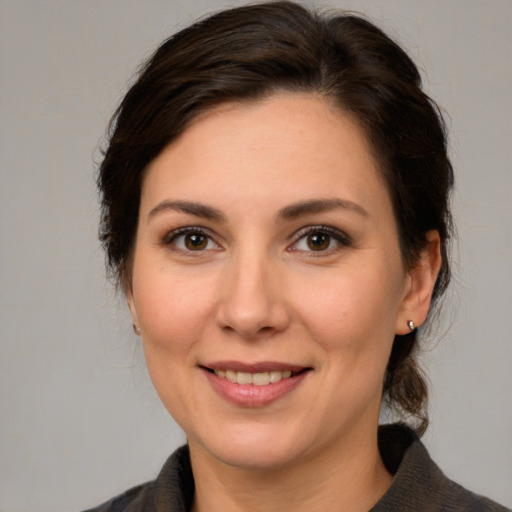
(251,309)
(249,332)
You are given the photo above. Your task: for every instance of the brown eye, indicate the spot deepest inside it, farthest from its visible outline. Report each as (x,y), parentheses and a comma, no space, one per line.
(318,241)
(191,239)
(324,240)
(195,241)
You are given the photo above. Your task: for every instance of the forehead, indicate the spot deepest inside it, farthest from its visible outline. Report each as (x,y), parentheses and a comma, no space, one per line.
(298,144)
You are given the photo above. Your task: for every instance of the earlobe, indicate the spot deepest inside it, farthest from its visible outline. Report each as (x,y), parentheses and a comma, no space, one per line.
(133,311)
(126,283)
(422,279)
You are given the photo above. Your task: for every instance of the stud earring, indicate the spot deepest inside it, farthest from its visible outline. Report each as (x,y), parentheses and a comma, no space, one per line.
(411,325)
(136,330)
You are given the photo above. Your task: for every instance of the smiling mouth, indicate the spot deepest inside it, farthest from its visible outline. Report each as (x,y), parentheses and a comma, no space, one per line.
(257,378)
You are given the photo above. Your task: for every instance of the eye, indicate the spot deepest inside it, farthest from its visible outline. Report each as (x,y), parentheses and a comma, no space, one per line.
(191,239)
(320,239)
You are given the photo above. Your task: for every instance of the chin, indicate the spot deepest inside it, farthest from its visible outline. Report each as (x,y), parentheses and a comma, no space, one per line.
(254,447)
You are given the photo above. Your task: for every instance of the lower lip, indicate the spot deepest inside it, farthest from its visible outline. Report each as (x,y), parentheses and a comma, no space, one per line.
(250,395)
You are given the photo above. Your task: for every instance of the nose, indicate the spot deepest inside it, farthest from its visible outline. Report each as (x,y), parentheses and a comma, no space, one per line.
(252,299)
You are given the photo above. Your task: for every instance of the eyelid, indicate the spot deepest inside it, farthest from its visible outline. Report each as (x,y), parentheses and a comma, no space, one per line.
(340,236)
(171,236)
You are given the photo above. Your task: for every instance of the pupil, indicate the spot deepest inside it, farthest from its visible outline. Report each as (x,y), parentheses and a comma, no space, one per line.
(318,241)
(195,242)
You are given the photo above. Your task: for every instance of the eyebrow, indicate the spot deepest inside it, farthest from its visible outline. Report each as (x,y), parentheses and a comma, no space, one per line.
(192,208)
(297,210)
(290,212)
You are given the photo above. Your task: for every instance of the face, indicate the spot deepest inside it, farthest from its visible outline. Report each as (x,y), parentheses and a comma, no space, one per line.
(267,281)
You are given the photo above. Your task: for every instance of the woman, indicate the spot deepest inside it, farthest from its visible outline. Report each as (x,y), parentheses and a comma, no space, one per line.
(276,209)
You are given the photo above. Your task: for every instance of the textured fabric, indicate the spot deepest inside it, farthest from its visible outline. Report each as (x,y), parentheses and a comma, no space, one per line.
(418,484)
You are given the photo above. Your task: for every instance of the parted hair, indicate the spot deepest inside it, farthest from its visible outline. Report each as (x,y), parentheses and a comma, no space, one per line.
(248,53)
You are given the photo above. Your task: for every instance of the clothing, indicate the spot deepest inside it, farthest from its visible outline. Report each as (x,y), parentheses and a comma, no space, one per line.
(418,484)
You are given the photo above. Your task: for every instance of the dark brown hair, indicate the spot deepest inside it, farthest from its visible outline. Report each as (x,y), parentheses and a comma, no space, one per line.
(249,52)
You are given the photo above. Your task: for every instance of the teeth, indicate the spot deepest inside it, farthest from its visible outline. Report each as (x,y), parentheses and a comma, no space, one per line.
(258,379)
(261,379)
(244,378)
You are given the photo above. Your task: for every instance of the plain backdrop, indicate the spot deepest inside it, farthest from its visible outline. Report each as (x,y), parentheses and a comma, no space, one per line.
(79,420)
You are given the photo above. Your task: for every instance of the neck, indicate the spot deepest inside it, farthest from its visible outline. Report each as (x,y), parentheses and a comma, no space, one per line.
(352,480)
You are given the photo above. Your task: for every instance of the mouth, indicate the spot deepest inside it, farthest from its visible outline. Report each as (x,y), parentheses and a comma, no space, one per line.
(254,385)
(261,378)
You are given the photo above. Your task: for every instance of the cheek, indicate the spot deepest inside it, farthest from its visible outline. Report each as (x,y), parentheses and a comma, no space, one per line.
(352,317)
(348,303)
(172,309)
(173,315)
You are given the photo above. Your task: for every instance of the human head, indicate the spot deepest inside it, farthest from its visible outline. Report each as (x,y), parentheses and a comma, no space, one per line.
(248,53)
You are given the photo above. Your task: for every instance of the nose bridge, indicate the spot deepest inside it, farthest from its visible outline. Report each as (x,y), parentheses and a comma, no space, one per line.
(251,302)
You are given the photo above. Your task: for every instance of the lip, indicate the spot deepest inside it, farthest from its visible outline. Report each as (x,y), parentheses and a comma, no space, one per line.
(250,395)
(261,366)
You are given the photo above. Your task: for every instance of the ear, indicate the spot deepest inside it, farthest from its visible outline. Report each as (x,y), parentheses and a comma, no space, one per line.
(131,305)
(421,280)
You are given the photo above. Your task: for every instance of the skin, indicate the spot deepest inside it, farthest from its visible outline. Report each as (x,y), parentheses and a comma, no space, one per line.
(256,288)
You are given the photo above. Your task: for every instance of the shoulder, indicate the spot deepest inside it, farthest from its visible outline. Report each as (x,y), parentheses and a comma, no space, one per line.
(482,504)
(419,484)
(172,491)
(131,500)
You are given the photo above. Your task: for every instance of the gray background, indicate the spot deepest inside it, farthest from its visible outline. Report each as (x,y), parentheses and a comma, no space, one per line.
(79,420)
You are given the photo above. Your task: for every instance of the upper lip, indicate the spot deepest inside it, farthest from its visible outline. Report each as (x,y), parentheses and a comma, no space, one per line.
(257,367)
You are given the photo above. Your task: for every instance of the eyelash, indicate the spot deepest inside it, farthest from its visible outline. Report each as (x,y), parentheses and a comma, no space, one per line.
(340,238)
(173,236)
